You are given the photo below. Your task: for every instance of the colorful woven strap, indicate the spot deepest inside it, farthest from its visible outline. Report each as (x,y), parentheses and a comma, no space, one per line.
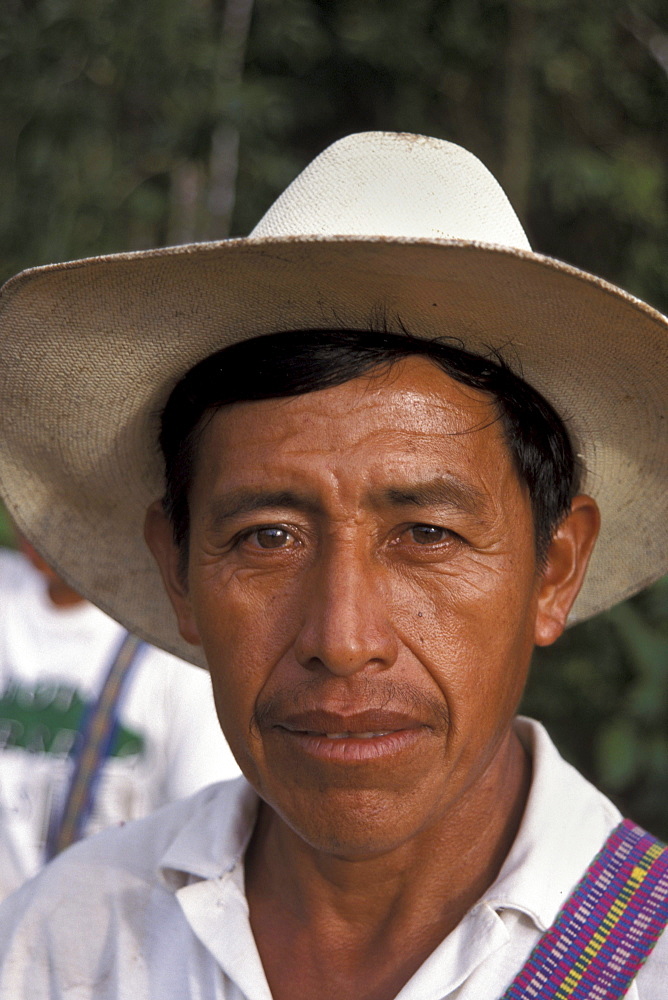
(98,729)
(607,927)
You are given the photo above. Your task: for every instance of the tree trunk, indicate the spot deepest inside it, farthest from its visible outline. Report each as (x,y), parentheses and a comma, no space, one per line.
(516,167)
(224,156)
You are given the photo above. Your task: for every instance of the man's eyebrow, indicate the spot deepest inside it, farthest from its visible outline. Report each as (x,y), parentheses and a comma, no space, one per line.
(442,491)
(247,501)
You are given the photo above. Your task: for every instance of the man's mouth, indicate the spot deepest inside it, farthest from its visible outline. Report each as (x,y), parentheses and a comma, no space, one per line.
(350,735)
(362,736)
(356,725)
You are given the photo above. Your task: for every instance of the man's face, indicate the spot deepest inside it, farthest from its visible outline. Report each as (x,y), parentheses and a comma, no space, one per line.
(362,579)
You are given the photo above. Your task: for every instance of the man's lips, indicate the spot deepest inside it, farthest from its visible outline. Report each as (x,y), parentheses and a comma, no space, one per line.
(359,725)
(342,738)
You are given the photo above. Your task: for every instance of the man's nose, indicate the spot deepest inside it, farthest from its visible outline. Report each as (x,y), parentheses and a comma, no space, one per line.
(346,627)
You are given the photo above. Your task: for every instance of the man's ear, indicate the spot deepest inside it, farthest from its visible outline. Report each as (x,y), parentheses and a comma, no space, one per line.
(160,540)
(565,566)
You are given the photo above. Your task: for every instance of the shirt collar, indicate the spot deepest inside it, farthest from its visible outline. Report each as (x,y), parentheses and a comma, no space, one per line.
(213,839)
(565,822)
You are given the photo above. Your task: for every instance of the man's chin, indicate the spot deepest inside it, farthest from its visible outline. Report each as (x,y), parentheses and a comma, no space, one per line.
(353,823)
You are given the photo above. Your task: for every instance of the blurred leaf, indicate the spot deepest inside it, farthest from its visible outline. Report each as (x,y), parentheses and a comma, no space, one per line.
(616,753)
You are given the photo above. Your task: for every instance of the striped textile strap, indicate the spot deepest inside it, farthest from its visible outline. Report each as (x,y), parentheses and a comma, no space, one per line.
(98,729)
(607,927)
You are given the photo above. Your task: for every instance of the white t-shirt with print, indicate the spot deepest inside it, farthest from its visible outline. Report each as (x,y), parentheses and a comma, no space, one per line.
(53,662)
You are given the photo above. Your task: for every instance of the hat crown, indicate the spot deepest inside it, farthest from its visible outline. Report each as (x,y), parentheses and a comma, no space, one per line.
(387,184)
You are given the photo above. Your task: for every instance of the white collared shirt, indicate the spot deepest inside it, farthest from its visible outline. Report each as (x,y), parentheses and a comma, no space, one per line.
(157,910)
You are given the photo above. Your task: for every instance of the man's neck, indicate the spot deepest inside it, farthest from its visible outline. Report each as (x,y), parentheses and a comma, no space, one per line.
(362,927)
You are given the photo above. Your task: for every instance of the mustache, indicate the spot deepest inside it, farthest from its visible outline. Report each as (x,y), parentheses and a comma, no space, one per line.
(366,697)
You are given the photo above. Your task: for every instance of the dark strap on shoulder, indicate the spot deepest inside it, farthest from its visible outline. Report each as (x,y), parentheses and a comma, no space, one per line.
(97,731)
(607,927)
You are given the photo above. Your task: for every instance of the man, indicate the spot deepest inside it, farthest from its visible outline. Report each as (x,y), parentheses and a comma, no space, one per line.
(57,677)
(363,531)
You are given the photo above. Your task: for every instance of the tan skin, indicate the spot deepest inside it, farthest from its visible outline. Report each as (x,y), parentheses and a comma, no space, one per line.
(362,579)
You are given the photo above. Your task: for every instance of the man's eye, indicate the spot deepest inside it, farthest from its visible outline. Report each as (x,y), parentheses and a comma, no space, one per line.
(271,538)
(428,534)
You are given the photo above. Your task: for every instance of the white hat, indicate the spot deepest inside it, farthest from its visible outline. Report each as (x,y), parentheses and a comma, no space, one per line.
(407,227)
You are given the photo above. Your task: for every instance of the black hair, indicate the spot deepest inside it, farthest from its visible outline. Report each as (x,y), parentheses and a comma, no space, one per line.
(297,362)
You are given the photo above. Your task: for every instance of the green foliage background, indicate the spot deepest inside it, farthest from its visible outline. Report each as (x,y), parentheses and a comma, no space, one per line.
(125,125)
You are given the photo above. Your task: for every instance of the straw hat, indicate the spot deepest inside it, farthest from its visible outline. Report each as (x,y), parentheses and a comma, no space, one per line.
(407,226)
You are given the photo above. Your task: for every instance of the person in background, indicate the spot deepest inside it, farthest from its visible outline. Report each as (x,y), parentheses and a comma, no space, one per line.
(96,727)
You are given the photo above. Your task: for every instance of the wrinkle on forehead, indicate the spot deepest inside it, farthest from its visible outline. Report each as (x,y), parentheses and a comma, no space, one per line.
(412,396)
(405,433)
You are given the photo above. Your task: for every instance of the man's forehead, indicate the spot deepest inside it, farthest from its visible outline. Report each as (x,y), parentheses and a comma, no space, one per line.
(411,437)
(413,394)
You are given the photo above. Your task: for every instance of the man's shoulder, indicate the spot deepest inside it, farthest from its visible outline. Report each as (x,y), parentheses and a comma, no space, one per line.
(652,979)
(124,859)
(95,910)
(555,847)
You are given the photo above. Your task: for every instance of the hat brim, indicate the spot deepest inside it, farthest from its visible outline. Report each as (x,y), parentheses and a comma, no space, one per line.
(92,349)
